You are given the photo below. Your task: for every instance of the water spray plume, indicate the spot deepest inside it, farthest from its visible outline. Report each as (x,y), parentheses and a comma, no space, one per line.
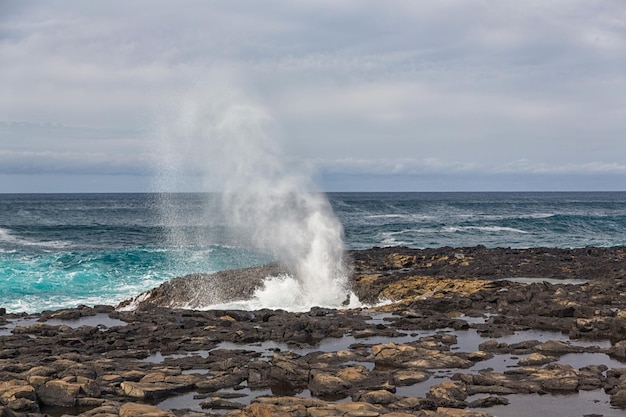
(264,203)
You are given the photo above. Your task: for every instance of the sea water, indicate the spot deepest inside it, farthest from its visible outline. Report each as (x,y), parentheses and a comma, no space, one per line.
(64,250)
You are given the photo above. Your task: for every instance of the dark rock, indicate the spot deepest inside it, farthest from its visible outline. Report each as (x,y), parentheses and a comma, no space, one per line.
(59,393)
(220,403)
(488,401)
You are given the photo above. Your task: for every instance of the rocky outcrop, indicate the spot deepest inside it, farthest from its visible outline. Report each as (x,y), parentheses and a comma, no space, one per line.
(202,290)
(352,362)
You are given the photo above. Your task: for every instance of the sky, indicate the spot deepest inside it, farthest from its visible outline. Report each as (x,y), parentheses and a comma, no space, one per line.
(431,95)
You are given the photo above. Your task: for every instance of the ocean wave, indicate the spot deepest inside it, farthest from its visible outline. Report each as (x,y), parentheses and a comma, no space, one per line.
(505,217)
(7,237)
(490,229)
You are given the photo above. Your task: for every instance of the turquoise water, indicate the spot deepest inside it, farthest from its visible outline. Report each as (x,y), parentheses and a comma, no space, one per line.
(65,250)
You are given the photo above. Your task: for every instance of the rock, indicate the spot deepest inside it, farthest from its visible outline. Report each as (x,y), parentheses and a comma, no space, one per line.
(147,391)
(402,378)
(228,380)
(142,410)
(557,377)
(18,396)
(557,347)
(59,393)
(200,290)
(376,397)
(412,404)
(219,403)
(355,409)
(488,401)
(258,372)
(536,359)
(618,399)
(618,350)
(288,368)
(158,385)
(448,394)
(323,384)
(353,374)
(402,355)
(164,351)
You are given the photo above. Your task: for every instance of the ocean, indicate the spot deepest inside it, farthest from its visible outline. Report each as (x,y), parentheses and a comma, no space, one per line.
(65,250)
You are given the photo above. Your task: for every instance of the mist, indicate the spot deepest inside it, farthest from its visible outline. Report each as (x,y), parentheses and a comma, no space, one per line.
(224,141)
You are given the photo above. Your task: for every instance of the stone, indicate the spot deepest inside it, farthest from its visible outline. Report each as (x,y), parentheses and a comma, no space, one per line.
(557,377)
(324,384)
(402,355)
(488,401)
(376,397)
(618,399)
(287,367)
(556,346)
(142,410)
(219,403)
(220,382)
(448,394)
(405,378)
(59,393)
(413,404)
(151,391)
(360,409)
(353,374)
(18,396)
(535,359)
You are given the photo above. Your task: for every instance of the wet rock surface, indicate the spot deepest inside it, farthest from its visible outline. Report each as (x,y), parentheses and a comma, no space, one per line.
(456,340)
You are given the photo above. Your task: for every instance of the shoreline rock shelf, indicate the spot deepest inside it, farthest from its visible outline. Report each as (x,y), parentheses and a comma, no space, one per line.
(451,343)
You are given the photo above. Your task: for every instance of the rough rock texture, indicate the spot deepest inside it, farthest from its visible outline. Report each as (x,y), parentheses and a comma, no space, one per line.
(351,362)
(202,290)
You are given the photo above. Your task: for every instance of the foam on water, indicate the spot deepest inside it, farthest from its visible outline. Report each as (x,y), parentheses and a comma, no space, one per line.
(288,293)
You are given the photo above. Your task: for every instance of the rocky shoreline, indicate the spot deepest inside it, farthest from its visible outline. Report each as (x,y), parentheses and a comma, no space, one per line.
(468,332)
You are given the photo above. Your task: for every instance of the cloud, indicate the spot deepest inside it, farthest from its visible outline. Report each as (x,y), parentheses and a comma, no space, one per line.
(92,163)
(484,84)
(410,166)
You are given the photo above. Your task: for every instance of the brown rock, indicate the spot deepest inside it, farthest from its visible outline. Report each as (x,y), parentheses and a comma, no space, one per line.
(535,359)
(324,384)
(377,397)
(219,403)
(18,396)
(448,394)
(142,410)
(59,393)
(151,391)
(404,378)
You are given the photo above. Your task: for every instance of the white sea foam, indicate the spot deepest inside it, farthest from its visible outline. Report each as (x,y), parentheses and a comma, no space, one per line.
(286,293)
(7,237)
(491,229)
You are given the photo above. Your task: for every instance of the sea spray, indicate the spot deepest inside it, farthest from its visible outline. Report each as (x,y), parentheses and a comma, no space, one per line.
(221,140)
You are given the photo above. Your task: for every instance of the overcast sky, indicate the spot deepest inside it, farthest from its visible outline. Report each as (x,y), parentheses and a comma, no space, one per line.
(431,95)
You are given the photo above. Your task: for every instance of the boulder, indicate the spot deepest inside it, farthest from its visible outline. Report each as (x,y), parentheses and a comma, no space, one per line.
(158,385)
(410,377)
(406,356)
(381,396)
(18,396)
(219,403)
(536,359)
(323,384)
(222,381)
(142,410)
(287,367)
(448,394)
(59,393)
